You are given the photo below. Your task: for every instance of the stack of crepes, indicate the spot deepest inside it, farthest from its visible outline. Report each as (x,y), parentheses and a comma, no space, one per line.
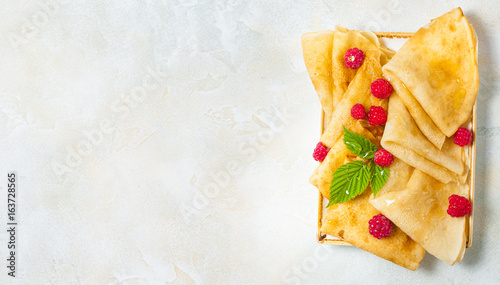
(435,81)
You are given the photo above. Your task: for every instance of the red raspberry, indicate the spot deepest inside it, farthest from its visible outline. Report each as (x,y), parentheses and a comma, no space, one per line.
(380,226)
(462,137)
(358,111)
(459,206)
(377,116)
(353,58)
(383,158)
(320,152)
(381,88)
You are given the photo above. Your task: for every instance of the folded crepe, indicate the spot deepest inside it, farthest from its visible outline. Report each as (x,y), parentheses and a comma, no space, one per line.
(317,50)
(324,59)
(400,173)
(343,41)
(336,157)
(419,210)
(358,92)
(403,139)
(435,72)
(349,221)
(422,120)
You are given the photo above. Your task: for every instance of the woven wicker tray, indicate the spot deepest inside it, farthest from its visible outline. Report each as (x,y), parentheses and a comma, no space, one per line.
(470,158)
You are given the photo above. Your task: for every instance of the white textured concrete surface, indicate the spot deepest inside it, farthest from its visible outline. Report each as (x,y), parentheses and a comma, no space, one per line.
(170,142)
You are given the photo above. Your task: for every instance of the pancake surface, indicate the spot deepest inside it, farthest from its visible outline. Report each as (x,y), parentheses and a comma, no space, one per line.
(358,92)
(324,59)
(420,211)
(403,139)
(349,221)
(317,51)
(438,66)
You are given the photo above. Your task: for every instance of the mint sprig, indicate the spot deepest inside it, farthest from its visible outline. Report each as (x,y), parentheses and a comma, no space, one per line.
(379,176)
(351,179)
(359,145)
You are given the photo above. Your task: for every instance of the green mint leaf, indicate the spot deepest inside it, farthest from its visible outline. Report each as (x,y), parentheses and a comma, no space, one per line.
(349,180)
(359,145)
(378,177)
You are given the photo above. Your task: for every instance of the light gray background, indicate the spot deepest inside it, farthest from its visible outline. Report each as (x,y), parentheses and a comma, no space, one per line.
(170,142)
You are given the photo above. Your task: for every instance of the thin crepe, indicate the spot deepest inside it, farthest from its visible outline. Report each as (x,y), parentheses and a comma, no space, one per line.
(403,139)
(438,66)
(423,121)
(317,51)
(344,40)
(358,92)
(400,173)
(419,210)
(324,59)
(336,157)
(349,221)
